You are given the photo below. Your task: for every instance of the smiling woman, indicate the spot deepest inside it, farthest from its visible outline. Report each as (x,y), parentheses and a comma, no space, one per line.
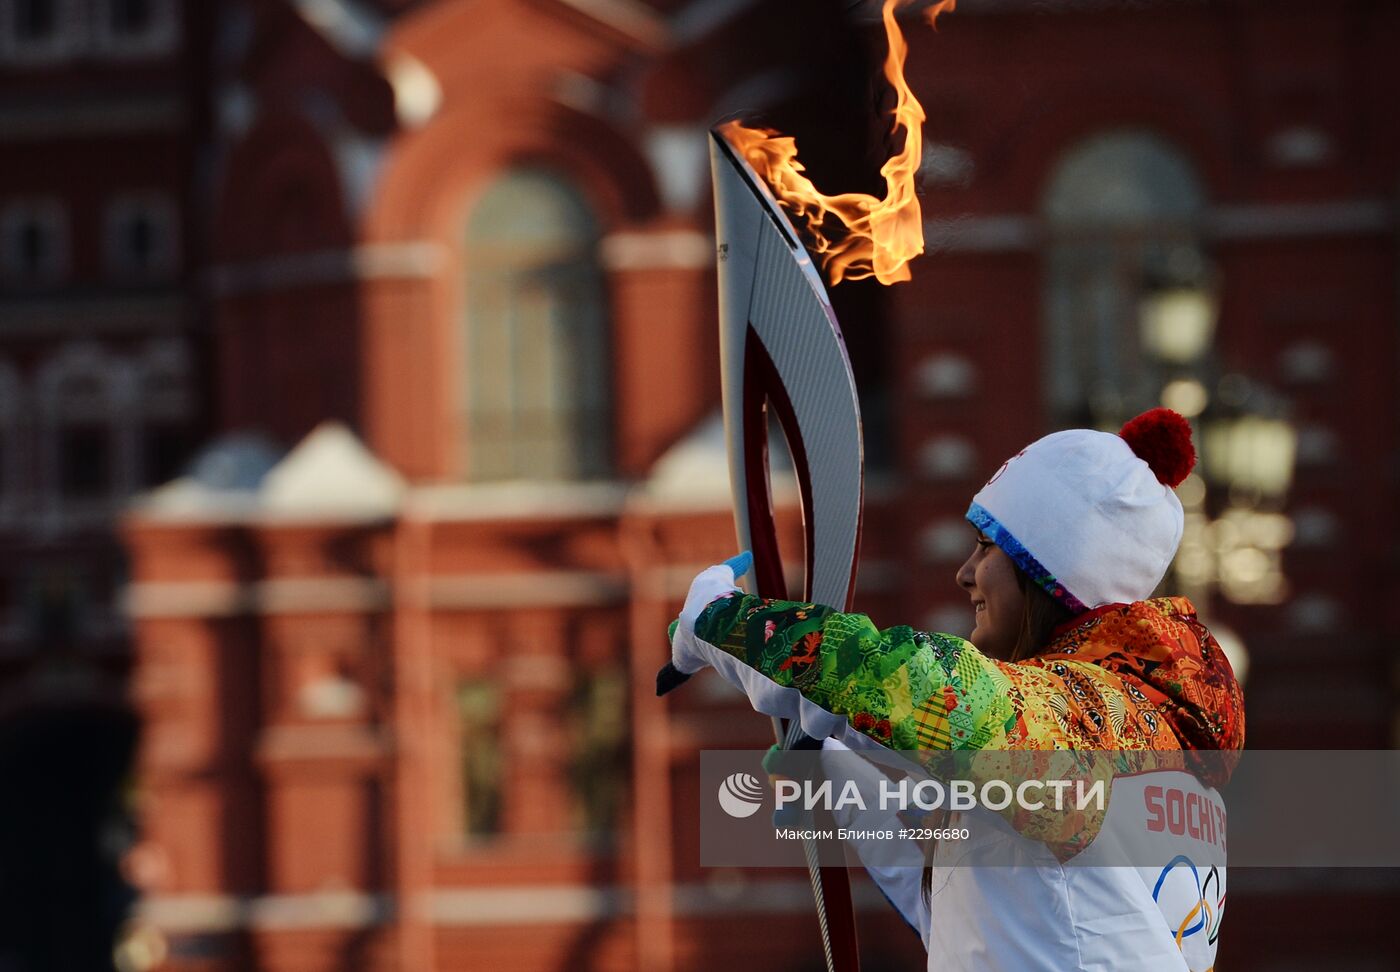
(1012,617)
(1070,652)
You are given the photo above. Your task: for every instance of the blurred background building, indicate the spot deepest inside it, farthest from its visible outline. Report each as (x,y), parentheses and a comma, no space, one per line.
(358,437)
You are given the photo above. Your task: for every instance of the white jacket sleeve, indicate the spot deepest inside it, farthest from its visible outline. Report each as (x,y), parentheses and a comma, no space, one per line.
(897,866)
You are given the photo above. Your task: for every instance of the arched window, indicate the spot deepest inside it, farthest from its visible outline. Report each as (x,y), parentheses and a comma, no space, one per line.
(1122,209)
(84,397)
(535,402)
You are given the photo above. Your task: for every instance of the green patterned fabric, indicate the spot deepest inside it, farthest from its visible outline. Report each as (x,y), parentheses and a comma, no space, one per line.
(887,683)
(1141,676)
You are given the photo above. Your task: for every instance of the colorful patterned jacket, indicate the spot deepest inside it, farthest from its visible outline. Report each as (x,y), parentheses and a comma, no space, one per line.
(1141,676)
(1142,680)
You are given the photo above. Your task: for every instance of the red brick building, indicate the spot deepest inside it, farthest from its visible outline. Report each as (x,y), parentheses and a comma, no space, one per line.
(101,379)
(395,683)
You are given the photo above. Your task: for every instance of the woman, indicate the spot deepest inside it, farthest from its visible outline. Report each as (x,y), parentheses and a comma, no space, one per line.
(1068,652)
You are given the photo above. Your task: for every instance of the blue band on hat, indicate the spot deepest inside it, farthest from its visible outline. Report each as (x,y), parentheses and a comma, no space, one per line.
(978,516)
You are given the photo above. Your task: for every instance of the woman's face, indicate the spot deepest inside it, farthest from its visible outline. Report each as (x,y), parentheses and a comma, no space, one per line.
(989,577)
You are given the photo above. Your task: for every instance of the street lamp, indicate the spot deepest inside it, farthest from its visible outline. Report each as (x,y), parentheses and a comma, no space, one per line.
(1177,323)
(1247,452)
(1251,454)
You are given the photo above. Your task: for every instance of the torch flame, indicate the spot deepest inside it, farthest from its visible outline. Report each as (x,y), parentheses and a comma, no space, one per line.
(880,236)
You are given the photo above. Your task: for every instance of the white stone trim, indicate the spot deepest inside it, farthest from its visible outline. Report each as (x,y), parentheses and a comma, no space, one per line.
(1020,232)
(306,595)
(319,909)
(185,599)
(318,742)
(414,259)
(190,914)
(299,595)
(668,250)
(417,90)
(534,905)
(553,904)
(194,913)
(517,500)
(543,588)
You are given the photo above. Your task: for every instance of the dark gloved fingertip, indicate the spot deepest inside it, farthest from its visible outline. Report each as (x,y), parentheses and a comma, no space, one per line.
(670,677)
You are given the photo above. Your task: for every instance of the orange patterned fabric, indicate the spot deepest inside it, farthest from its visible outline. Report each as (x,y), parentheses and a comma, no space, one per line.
(1170,666)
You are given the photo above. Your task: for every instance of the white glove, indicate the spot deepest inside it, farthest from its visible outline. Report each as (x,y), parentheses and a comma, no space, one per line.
(709,585)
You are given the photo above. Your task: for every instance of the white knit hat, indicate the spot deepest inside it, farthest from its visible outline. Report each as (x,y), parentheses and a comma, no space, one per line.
(1090,516)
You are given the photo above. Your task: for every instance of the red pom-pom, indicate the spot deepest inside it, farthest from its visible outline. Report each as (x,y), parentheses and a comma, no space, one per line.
(1162,439)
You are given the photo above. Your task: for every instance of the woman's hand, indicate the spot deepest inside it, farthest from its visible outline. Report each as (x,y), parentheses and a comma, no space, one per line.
(709,585)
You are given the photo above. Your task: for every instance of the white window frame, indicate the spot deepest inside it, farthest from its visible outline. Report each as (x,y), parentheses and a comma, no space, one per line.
(110,407)
(159,37)
(162,393)
(158,207)
(49,212)
(69,37)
